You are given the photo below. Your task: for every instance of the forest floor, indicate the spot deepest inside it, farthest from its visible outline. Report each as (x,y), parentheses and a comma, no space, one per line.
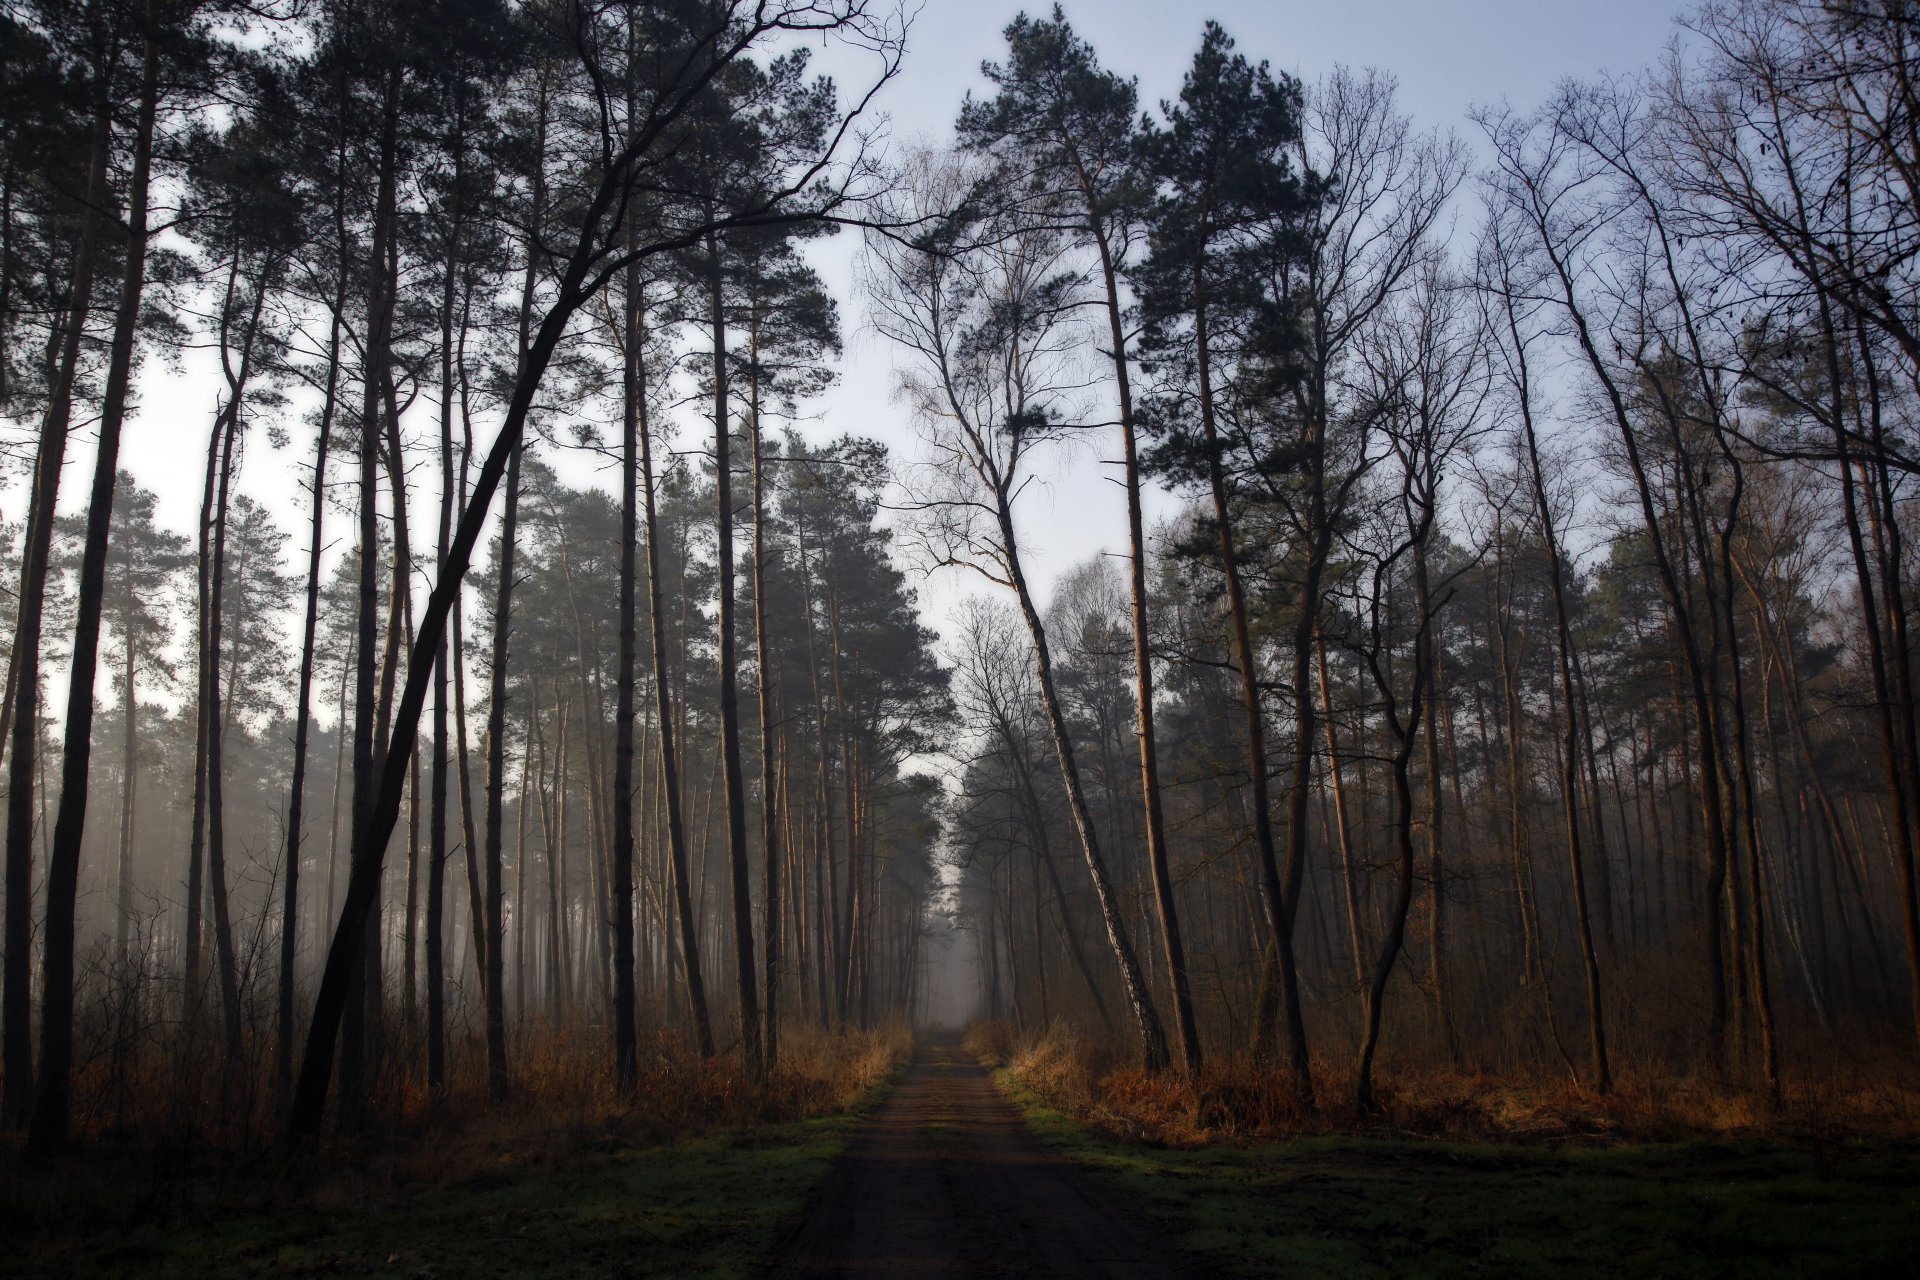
(1339,1207)
(699,1178)
(949,1169)
(712,1207)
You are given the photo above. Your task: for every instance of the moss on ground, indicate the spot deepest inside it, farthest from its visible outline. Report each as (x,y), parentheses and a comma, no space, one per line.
(1365,1207)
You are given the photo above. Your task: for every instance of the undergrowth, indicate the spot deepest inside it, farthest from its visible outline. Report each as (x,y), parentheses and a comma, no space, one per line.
(1235,1099)
(563,1114)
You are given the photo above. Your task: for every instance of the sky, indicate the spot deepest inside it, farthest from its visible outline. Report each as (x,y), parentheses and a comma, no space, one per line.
(1448,58)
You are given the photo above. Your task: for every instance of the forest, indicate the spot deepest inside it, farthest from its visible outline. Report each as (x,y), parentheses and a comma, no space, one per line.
(1495,718)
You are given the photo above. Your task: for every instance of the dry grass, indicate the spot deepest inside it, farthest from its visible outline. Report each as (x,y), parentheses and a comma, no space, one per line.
(1234,1099)
(188,1136)
(564,1104)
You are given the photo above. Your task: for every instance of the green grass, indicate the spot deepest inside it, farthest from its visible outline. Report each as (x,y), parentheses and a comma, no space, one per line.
(710,1208)
(1359,1207)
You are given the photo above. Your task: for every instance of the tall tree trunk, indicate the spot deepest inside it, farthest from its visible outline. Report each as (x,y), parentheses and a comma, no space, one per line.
(1153,1038)
(303,712)
(1711,801)
(735,781)
(763,661)
(23,707)
(664,709)
(626,1053)
(438,770)
(495,984)
(368,752)
(129,762)
(1602,1074)
(1279,917)
(214,763)
(52,1097)
(1158,861)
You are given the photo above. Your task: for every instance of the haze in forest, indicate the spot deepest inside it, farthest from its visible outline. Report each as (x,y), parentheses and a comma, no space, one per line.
(779,598)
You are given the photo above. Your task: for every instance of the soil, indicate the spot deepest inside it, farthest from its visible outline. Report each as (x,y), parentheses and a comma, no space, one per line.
(944,1179)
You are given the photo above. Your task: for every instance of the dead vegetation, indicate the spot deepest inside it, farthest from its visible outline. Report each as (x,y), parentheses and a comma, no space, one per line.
(186,1138)
(1237,1100)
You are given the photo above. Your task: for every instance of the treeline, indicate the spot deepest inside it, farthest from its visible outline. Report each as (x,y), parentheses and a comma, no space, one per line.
(440,256)
(1528,685)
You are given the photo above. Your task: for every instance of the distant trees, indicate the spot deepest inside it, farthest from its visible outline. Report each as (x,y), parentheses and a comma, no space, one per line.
(1500,550)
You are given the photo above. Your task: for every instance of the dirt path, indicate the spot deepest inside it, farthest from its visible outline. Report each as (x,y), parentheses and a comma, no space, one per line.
(945,1180)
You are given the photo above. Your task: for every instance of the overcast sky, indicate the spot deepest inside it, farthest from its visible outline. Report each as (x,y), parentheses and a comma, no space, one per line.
(1447,57)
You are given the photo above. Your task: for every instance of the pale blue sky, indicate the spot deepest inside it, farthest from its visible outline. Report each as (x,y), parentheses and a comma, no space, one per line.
(1447,58)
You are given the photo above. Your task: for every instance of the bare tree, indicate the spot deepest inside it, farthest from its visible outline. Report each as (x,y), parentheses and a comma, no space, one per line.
(989,313)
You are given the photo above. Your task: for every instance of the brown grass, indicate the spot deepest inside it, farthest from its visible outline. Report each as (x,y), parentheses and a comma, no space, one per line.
(1236,1100)
(188,1133)
(564,1106)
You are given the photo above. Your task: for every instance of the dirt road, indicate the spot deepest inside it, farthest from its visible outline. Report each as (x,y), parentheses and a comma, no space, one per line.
(945,1180)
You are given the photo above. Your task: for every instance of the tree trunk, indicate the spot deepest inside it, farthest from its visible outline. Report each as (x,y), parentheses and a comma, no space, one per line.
(1602,1074)
(735,781)
(762,642)
(303,714)
(1153,1039)
(52,1098)
(663,706)
(1158,861)
(23,708)
(1279,917)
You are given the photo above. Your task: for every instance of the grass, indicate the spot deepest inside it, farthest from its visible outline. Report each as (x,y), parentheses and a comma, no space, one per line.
(530,1192)
(714,1207)
(1341,1207)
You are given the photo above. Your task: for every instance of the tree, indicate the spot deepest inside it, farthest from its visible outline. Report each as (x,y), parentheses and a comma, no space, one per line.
(986,311)
(103,42)
(791,324)
(52,1100)
(594,257)
(1223,162)
(1069,126)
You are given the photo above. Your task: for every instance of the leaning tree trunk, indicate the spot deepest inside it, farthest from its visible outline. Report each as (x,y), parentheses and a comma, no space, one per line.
(1153,1037)
(1563,635)
(1158,860)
